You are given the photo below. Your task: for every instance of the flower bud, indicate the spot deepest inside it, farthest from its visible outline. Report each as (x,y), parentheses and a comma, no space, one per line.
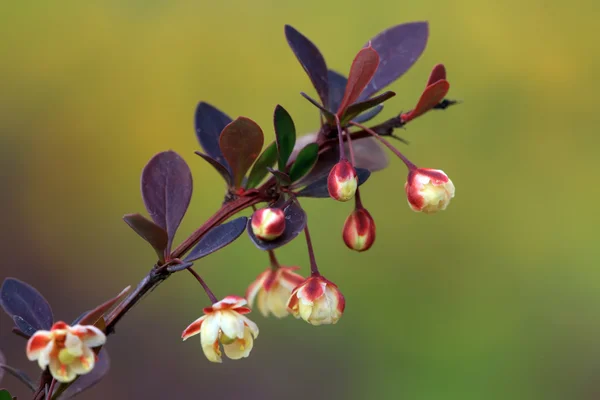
(428,190)
(342,181)
(317,301)
(359,230)
(268,223)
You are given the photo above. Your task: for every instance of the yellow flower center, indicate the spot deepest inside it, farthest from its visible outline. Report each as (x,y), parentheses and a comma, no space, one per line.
(65,357)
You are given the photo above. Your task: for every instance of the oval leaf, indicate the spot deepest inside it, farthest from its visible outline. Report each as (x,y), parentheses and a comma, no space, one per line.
(295,221)
(337,87)
(368,115)
(5,395)
(20,299)
(167,190)
(311,60)
(153,234)
(362,70)
(241,142)
(84,382)
(318,189)
(437,74)
(24,326)
(210,122)
(306,160)
(357,108)
(221,169)
(285,134)
(266,160)
(91,317)
(217,238)
(399,48)
(20,375)
(430,98)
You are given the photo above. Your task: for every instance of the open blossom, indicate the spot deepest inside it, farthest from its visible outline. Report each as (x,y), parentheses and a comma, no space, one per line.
(317,301)
(272,289)
(224,322)
(66,349)
(342,181)
(428,190)
(359,230)
(268,223)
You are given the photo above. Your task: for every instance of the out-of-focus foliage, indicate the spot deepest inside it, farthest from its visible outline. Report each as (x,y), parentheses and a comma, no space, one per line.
(495,298)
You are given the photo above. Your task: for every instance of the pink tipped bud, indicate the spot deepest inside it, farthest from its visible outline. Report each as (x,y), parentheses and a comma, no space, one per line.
(428,190)
(317,301)
(268,223)
(342,181)
(359,230)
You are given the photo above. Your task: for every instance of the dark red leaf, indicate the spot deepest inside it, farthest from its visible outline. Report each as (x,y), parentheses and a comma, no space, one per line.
(399,48)
(94,315)
(217,238)
(337,86)
(210,122)
(221,169)
(311,60)
(20,299)
(430,98)
(241,142)
(295,221)
(437,74)
(361,72)
(153,234)
(167,190)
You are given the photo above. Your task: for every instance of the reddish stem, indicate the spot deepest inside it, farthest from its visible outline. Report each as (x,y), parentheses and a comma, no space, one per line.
(274,262)
(209,292)
(406,161)
(340,138)
(51,390)
(314,269)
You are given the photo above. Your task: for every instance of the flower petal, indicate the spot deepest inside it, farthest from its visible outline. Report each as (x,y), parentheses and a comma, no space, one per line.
(61,372)
(193,328)
(255,286)
(212,352)
(232,324)
(241,347)
(251,325)
(44,355)
(84,363)
(261,303)
(37,343)
(230,302)
(89,335)
(74,345)
(209,333)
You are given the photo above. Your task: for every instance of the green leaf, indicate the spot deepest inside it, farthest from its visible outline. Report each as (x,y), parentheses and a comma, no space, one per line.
(356,109)
(259,170)
(285,133)
(305,161)
(4,395)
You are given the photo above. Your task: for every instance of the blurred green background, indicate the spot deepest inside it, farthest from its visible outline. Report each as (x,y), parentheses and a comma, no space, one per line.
(496,298)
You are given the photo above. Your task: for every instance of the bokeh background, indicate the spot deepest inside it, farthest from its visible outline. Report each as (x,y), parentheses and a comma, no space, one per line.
(496,298)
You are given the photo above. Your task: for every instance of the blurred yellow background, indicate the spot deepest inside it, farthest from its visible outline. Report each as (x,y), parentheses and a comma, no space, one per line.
(496,298)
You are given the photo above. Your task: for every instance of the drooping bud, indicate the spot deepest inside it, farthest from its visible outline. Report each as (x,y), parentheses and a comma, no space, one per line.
(317,301)
(359,230)
(268,223)
(342,181)
(428,190)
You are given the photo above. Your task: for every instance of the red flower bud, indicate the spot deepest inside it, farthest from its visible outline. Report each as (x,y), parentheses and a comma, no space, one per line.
(359,230)
(268,223)
(428,190)
(342,181)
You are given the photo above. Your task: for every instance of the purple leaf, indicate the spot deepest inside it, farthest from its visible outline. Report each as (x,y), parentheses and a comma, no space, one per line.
(20,299)
(337,86)
(283,179)
(153,234)
(357,108)
(217,238)
(318,189)
(84,382)
(221,169)
(399,48)
(18,374)
(361,72)
(328,114)
(241,142)
(210,122)
(24,326)
(295,221)
(311,60)
(368,115)
(167,190)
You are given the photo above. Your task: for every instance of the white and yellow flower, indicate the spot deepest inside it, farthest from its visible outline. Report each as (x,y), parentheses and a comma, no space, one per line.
(225,323)
(272,289)
(318,301)
(428,190)
(67,350)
